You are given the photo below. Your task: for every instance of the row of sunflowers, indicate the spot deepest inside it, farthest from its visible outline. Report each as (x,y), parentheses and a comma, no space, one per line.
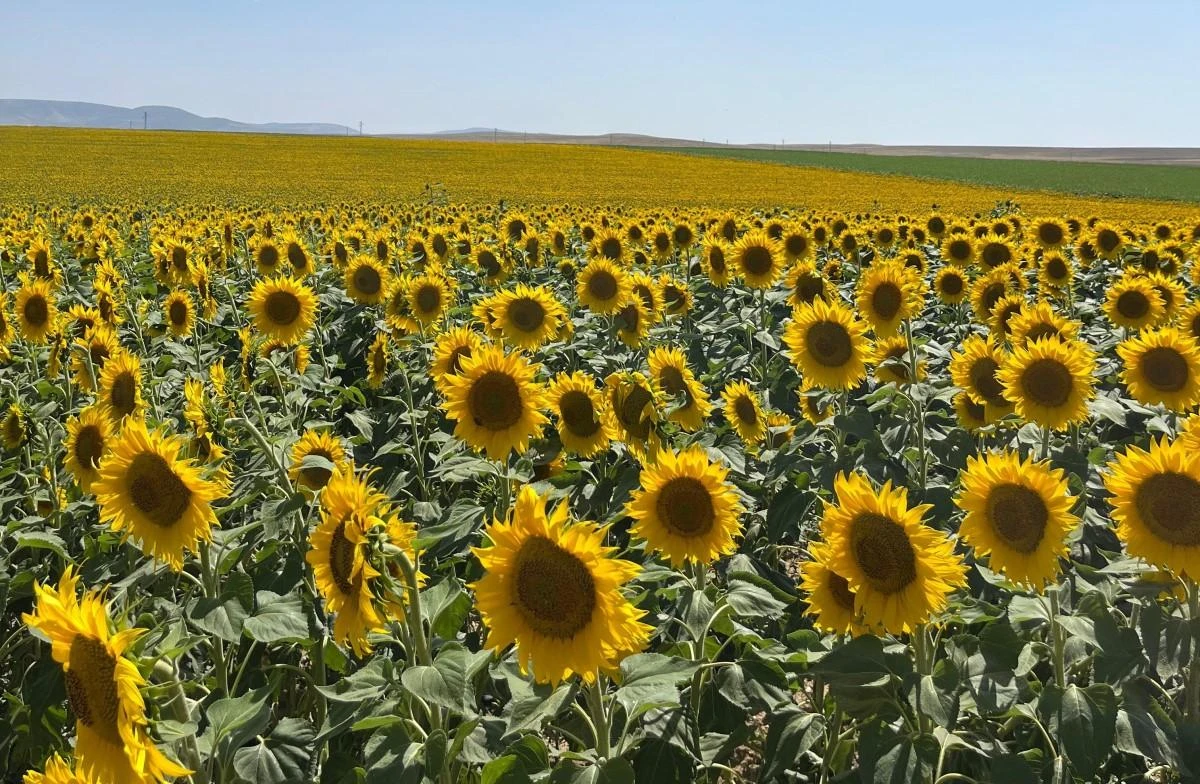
(449,493)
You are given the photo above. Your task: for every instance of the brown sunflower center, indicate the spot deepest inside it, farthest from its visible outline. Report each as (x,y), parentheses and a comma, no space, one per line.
(315,477)
(297,257)
(283,307)
(341,560)
(89,446)
(340,253)
(886,300)
(828,342)
(1165,369)
(951,284)
(527,314)
(1133,304)
(495,401)
(840,590)
(602,285)
(577,413)
(1018,516)
(367,280)
(454,363)
(610,248)
(1108,240)
(429,299)
(92,687)
(178,312)
(673,383)
(487,260)
(716,260)
(809,287)
(1041,330)
(745,410)
(36,310)
(179,258)
(156,490)
(757,260)
(984,381)
(959,250)
(1050,233)
(122,396)
(996,253)
(632,412)
(883,552)
(41,263)
(268,257)
(554,590)
(1056,269)
(1169,503)
(992,294)
(1047,382)
(796,244)
(686,507)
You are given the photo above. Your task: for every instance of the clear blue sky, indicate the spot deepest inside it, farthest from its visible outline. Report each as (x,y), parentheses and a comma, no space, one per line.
(1037,73)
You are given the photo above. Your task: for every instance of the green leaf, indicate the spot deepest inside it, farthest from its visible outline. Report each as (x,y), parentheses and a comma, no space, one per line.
(42,540)
(391,757)
(750,598)
(234,720)
(278,619)
(614,771)
(790,734)
(280,758)
(448,606)
(224,616)
(1085,724)
(1144,727)
(448,683)
(651,680)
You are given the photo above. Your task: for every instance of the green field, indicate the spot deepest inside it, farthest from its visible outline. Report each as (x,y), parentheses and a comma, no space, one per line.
(1175,183)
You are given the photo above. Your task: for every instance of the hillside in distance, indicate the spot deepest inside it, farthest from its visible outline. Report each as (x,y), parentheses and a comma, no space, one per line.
(79,114)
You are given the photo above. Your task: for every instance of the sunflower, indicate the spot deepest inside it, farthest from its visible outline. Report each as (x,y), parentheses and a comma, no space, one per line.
(974,369)
(428,297)
(179,313)
(6,330)
(1172,292)
(1189,320)
(496,402)
(648,290)
(796,244)
(1162,366)
(660,244)
(1107,240)
(995,252)
(806,284)
(528,316)
(121,386)
(366,280)
(297,255)
(13,428)
(1050,233)
(554,591)
(685,509)
(971,415)
(891,363)
(36,313)
(888,294)
(959,250)
(828,345)
(1133,302)
(147,491)
(1055,272)
(716,262)
(451,348)
(951,285)
(814,405)
(267,256)
(1156,504)
(901,571)
(602,286)
(988,289)
(283,308)
(1006,308)
(495,268)
(377,360)
(758,259)
(310,454)
(1039,321)
(104,687)
(58,771)
(579,407)
(632,413)
(1019,512)
(351,511)
(744,411)
(830,600)
(1049,381)
(88,440)
(676,296)
(607,244)
(675,382)
(91,353)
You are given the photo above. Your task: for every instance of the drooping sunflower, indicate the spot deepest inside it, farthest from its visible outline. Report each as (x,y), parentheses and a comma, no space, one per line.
(814,405)
(14,430)
(1162,366)
(528,316)
(58,771)
(891,361)
(1019,512)
(554,590)
(366,280)
(971,415)
(1049,381)
(579,407)
(744,411)
(112,740)
(428,297)
(147,491)
(283,308)
(338,550)
(36,312)
(602,286)
(830,599)
(632,412)
(687,400)
(307,471)
(90,354)
(806,284)
(632,322)
(676,295)
(685,509)
(121,386)
(179,313)
(648,290)
(88,439)
(496,402)
(988,289)
(451,348)
(1172,292)
(901,571)
(1006,308)
(951,285)
(377,360)
(1133,302)
(1156,504)
(758,259)
(495,267)
(715,258)
(828,344)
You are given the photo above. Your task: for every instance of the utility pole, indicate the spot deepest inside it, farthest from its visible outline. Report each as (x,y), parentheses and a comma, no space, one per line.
(145,120)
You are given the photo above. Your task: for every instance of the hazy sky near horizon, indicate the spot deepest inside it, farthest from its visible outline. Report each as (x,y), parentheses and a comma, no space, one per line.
(1068,73)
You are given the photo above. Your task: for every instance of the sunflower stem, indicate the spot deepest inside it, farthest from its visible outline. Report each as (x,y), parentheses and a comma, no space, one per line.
(418,442)
(918,408)
(1045,453)
(179,710)
(762,325)
(1192,707)
(924,662)
(1059,643)
(212,585)
(595,698)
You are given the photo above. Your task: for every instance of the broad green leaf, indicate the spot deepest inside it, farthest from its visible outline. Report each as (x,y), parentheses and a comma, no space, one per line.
(280,758)
(278,619)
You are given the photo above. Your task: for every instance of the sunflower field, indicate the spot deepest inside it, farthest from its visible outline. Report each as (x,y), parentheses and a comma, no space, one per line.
(436,492)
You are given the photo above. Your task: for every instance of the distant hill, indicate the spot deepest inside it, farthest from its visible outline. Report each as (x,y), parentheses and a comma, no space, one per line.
(77,114)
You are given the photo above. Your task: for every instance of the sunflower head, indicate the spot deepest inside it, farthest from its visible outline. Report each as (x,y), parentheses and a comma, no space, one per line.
(1049,381)
(496,402)
(828,345)
(1162,366)
(283,308)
